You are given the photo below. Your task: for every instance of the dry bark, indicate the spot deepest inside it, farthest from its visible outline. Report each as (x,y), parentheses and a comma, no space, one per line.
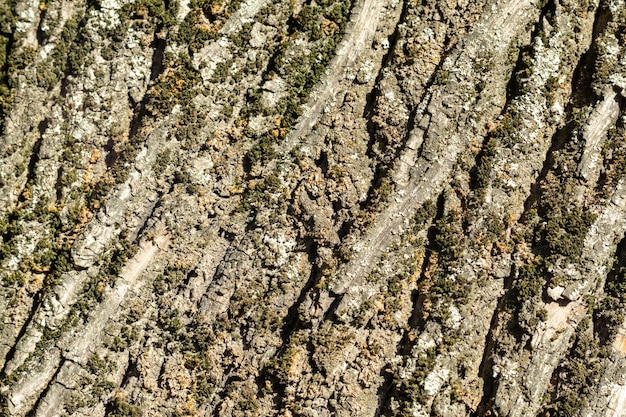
(325,207)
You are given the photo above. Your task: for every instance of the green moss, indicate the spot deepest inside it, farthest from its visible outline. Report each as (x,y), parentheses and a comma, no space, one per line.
(203,390)
(447,244)
(448,231)
(484,165)
(552,83)
(221,71)
(98,366)
(233,6)
(614,154)
(171,277)
(609,314)
(93,291)
(506,130)
(382,189)
(495,227)
(120,408)
(7,61)
(261,194)
(241,39)
(74,402)
(442,77)
(407,391)
(262,151)
(565,232)
(529,283)
(174,87)
(192,34)
(302,68)
(542,314)
(170,321)
(308,18)
(118,344)
(338,12)
(10,229)
(164,12)
(14,279)
(65,53)
(579,374)
(249,403)
(163,159)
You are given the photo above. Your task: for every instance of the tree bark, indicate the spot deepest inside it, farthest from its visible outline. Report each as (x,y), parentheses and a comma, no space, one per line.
(315,208)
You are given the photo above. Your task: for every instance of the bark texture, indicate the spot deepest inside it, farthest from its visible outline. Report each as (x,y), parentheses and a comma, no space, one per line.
(313,208)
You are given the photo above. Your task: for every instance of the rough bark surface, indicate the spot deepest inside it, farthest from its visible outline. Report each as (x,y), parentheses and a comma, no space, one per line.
(313,208)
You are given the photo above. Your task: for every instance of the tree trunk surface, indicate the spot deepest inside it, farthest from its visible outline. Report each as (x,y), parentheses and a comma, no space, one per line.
(312,208)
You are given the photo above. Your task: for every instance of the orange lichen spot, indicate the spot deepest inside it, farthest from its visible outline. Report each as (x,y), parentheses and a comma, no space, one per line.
(432,266)
(329,27)
(55,208)
(279,133)
(146,40)
(419,261)
(190,406)
(84,215)
(217,26)
(475,147)
(95,204)
(206,27)
(511,219)
(236,189)
(500,248)
(26,194)
(35,283)
(216,9)
(38,269)
(95,156)
(87,177)
(294,362)
(142,12)
(426,307)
